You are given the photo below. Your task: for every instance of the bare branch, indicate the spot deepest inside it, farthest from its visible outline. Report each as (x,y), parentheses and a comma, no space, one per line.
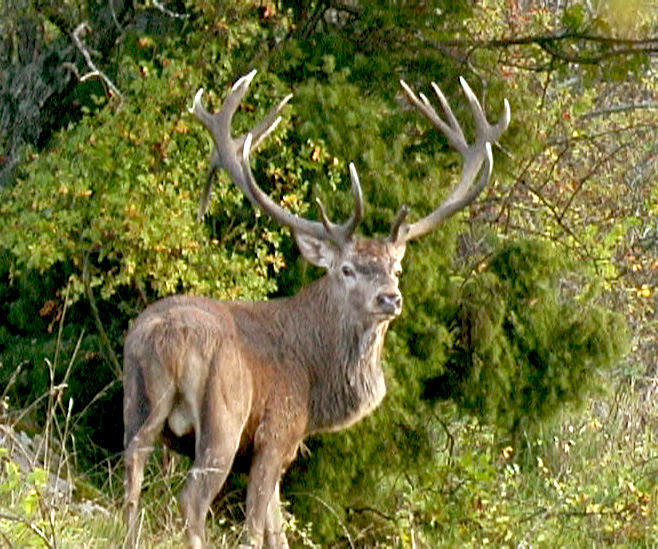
(553,44)
(628,107)
(170,13)
(95,71)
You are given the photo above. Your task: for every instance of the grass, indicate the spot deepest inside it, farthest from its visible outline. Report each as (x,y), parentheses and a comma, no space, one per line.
(588,480)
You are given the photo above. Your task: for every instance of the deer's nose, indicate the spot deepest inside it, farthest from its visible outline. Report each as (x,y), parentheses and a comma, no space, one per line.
(390,303)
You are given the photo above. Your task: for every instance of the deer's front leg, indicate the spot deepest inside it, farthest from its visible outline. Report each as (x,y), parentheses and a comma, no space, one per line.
(275,537)
(264,476)
(275,447)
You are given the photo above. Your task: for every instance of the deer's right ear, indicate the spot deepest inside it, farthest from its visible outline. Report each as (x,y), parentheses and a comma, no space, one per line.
(319,252)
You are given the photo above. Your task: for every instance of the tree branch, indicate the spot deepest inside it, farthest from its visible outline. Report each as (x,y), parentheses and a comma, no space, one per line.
(553,43)
(95,71)
(168,12)
(621,108)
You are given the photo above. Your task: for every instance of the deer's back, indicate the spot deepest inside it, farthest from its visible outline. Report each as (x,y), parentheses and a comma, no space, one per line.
(197,345)
(180,334)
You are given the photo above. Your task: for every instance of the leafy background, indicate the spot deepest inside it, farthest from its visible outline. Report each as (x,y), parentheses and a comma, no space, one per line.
(509,373)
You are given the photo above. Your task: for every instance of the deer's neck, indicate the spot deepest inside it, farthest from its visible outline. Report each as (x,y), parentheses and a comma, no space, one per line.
(341,358)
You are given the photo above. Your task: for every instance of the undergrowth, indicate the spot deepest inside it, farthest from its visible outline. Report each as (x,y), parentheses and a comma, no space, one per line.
(588,479)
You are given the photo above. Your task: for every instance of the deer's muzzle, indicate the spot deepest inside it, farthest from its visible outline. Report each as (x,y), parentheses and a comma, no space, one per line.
(390,303)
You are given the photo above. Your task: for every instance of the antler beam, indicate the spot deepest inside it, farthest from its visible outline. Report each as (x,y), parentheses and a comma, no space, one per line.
(474,156)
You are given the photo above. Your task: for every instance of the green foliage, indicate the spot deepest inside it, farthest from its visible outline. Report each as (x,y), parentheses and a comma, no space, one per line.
(577,487)
(21,500)
(525,344)
(115,197)
(101,194)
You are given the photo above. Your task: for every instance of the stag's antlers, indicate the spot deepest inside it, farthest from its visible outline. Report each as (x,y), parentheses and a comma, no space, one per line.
(477,158)
(474,155)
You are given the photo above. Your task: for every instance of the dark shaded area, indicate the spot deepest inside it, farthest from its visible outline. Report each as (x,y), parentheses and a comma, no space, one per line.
(446,385)
(40,76)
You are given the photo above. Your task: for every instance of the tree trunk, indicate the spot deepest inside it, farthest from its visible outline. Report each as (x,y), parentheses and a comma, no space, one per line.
(37,79)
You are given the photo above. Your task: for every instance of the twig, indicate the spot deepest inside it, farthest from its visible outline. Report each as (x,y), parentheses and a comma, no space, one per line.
(53,390)
(620,108)
(49,516)
(63,435)
(373,511)
(95,71)
(97,396)
(354,10)
(12,380)
(7,540)
(94,309)
(170,13)
(58,345)
(38,531)
(313,20)
(64,460)
(114,16)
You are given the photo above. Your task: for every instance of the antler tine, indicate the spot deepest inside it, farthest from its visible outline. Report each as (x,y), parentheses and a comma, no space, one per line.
(276,212)
(219,125)
(356,218)
(269,123)
(453,132)
(225,153)
(345,231)
(485,130)
(262,130)
(478,158)
(340,234)
(398,222)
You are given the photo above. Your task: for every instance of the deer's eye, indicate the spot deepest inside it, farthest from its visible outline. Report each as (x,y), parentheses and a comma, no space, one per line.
(348,272)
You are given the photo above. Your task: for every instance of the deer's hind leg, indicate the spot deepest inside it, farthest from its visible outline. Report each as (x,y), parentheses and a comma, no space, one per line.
(275,537)
(220,418)
(143,421)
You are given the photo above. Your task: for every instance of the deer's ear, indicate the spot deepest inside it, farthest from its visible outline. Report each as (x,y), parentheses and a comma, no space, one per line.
(320,253)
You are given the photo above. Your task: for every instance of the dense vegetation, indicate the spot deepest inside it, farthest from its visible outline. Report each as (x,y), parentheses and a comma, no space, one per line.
(509,381)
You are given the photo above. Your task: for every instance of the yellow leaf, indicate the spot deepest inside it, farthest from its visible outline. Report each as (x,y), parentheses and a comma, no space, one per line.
(181,127)
(644,291)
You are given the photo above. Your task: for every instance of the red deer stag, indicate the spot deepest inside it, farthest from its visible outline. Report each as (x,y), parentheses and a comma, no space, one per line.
(258,377)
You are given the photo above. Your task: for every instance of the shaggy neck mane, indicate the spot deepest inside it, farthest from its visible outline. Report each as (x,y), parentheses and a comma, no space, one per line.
(340,354)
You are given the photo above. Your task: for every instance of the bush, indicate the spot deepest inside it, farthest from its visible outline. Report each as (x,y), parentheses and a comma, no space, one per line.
(525,342)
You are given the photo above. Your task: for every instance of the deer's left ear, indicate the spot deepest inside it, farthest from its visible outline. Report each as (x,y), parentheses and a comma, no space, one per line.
(320,253)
